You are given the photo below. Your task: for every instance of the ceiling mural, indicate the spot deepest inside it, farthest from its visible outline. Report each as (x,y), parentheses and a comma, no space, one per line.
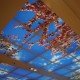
(39,37)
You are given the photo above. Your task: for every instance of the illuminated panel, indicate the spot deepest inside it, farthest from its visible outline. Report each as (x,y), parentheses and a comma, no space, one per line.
(38,36)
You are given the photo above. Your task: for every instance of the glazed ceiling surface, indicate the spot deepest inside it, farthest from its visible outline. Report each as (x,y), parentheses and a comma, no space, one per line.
(39,37)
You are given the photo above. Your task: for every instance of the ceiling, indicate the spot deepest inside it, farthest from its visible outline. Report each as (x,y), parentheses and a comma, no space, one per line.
(36,44)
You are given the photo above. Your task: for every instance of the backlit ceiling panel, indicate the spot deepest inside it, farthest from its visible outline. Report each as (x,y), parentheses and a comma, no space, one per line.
(37,36)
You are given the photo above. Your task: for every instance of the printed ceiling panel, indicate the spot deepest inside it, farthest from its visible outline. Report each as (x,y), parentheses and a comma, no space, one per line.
(39,37)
